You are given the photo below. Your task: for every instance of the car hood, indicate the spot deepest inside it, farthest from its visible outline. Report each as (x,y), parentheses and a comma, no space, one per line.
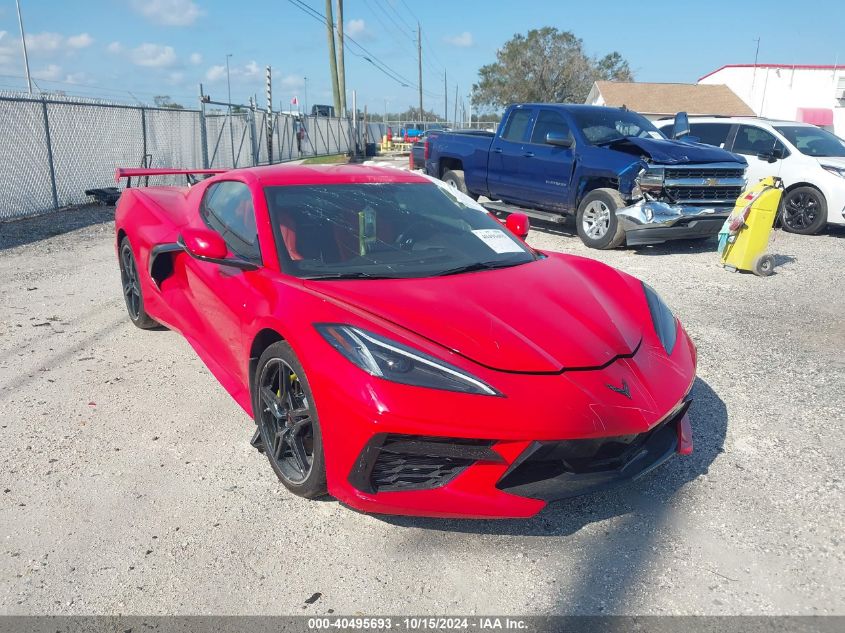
(554,313)
(673,152)
(834,161)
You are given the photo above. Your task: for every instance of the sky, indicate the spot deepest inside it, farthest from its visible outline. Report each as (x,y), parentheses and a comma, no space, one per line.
(132,50)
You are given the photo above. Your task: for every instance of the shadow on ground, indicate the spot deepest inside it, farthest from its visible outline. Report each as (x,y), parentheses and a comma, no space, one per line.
(28,230)
(644,500)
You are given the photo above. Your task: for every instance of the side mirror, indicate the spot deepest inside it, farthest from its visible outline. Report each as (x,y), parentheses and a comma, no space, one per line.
(517,223)
(559,139)
(208,246)
(681,127)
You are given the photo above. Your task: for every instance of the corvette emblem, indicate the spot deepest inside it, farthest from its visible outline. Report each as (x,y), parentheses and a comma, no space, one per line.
(623,389)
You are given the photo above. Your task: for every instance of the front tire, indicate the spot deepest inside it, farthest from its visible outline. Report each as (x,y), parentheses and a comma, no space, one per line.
(598,226)
(803,210)
(132,293)
(286,415)
(455,179)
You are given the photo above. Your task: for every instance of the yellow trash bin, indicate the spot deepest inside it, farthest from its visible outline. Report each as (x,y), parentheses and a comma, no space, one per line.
(746,233)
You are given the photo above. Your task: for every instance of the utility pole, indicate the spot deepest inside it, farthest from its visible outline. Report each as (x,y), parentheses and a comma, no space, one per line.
(341,68)
(445,99)
(269,121)
(332,56)
(23,43)
(419,64)
(754,72)
(229,100)
(305,109)
(455,120)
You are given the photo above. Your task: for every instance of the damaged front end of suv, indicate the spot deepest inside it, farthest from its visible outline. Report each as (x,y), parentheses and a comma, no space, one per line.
(676,189)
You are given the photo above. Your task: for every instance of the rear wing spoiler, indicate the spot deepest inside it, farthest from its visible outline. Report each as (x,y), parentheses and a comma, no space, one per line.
(145,172)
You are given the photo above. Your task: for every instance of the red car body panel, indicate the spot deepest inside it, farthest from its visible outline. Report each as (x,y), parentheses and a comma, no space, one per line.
(551,335)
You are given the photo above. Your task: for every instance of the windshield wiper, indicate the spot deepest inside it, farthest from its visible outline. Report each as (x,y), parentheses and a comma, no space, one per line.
(348,275)
(468,268)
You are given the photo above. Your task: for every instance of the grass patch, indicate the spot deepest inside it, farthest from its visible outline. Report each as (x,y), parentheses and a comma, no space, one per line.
(326,160)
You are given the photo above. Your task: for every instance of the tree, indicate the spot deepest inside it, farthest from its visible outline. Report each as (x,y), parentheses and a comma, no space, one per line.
(545,65)
(164,101)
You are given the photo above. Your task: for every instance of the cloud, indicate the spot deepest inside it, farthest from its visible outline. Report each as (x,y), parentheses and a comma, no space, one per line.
(78,78)
(464,40)
(251,69)
(215,73)
(115,47)
(53,72)
(83,40)
(43,42)
(247,71)
(196,59)
(175,78)
(292,82)
(168,12)
(47,43)
(7,51)
(153,55)
(358,28)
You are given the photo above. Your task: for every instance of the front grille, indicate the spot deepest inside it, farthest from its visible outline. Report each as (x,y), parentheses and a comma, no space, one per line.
(703,172)
(395,471)
(394,462)
(567,468)
(703,194)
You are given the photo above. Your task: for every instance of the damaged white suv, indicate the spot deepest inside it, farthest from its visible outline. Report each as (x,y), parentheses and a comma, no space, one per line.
(809,159)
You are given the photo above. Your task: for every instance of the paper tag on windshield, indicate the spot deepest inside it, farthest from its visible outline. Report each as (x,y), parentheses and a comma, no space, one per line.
(497,240)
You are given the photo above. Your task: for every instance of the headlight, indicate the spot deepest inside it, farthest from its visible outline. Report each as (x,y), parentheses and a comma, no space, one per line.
(390,360)
(663,319)
(650,179)
(837,171)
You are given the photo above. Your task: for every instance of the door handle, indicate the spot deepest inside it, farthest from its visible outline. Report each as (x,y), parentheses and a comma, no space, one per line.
(498,150)
(528,155)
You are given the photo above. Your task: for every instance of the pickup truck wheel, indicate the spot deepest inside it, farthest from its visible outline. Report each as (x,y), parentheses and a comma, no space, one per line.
(803,210)
(598,226)
(455,179)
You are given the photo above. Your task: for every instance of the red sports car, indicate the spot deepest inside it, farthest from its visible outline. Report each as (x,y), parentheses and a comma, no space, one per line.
(401,349)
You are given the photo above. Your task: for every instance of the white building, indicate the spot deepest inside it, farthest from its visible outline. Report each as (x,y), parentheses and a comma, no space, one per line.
(794,92)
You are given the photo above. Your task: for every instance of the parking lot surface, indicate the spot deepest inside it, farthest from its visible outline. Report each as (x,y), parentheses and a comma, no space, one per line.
(129,484)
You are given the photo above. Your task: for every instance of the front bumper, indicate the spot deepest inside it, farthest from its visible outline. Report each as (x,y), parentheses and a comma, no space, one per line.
(463,456)
(653,222)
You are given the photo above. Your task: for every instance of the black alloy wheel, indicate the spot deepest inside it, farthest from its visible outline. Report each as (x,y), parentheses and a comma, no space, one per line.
(287,422)
(803,211)
(132,292)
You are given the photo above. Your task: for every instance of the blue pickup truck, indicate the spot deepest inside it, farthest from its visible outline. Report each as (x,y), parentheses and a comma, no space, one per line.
(618,174)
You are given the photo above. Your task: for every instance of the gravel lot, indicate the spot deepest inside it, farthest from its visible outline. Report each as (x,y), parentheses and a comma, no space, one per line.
(129,484)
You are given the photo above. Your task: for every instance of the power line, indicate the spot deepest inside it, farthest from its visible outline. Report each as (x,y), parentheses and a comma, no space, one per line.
(410,26)
(365,54)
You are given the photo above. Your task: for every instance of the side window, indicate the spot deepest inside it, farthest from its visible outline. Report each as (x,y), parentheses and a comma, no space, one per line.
(227,208)
(517,127)
(752,140)
(711,133)
(548,121)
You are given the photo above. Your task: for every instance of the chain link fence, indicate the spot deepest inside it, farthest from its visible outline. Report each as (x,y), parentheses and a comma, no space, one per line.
(52,148)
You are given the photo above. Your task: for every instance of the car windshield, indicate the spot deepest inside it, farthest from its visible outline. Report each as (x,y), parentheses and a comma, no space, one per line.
(601,126)
(395,230)
(813,141)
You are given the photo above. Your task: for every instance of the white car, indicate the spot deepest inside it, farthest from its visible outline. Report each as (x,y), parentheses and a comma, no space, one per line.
(809,160)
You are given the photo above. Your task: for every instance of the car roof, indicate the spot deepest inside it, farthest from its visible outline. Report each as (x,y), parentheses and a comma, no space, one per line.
(741,119)
(573,107)
(289,174)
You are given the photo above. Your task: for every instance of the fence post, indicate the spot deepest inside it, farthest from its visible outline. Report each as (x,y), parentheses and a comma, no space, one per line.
(144,136)
(50,153)
(203,131)
(253,132)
